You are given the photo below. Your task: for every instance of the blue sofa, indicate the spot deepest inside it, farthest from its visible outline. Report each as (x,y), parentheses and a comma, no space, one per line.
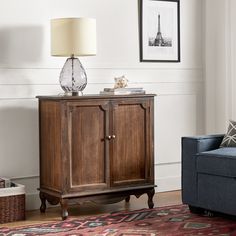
(208,175)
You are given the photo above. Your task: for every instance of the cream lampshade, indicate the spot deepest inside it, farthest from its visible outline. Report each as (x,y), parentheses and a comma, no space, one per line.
(73,37)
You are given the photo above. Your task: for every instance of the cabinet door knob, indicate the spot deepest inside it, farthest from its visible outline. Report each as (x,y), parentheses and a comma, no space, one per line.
(113,136)
(109,137)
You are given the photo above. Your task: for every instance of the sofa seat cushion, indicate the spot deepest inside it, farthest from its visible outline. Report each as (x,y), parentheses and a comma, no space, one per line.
(220,162)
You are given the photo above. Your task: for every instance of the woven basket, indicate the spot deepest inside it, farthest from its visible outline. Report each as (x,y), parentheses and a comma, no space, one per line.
(12,203)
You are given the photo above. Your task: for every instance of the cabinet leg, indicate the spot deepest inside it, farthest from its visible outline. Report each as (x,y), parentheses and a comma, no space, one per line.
(127,199)
(43,202)
(150,194)
(64,208)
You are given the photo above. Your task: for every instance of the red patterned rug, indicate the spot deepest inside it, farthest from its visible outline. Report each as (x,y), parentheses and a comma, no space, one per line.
(164,221)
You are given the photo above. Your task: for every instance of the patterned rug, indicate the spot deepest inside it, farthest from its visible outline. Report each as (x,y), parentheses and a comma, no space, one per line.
(165,221)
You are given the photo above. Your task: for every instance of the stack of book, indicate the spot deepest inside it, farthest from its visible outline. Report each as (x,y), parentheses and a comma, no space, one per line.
(122,91)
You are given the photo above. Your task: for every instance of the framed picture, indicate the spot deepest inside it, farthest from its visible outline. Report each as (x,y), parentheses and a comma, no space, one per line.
(159,31)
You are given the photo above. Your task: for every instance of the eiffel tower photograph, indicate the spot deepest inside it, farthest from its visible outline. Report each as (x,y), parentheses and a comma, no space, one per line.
(160,40)
(159,30)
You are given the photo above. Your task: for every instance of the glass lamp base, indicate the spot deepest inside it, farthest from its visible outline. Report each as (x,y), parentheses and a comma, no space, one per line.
(73,78)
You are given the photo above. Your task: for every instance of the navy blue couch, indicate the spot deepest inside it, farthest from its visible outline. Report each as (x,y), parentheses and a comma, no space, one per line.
(208,175)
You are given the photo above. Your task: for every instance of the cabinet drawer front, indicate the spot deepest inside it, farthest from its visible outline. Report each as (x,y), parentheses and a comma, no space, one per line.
(87,127)
(131,158)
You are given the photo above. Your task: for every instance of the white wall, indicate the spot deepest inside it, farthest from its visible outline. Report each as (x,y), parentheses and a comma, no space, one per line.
(220,72)
(27,70)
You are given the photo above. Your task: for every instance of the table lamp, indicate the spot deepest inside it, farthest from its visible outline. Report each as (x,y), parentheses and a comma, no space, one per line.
(72,37)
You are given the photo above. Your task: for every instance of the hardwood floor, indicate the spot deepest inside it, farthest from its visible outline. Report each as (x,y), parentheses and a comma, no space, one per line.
(89,209)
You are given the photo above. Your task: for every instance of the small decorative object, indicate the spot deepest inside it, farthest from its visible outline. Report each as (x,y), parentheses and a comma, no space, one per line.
(73,37)
(159,31)
(4,182)
(120,88)
(120,82)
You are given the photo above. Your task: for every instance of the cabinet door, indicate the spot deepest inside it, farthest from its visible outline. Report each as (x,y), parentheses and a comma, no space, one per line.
(132,145)
(88,151)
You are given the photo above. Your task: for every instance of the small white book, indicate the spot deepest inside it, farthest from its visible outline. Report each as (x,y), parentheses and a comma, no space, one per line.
(122,91)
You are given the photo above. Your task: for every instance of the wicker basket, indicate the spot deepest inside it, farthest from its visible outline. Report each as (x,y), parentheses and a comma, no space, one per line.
(12,203)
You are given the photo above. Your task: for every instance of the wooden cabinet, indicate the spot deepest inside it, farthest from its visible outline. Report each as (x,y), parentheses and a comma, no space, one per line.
(95,148)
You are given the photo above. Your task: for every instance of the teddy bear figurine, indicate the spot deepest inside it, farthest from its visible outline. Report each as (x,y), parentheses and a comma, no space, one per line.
(120,82)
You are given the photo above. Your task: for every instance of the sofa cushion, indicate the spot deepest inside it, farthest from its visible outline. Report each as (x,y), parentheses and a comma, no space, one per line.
(220,162)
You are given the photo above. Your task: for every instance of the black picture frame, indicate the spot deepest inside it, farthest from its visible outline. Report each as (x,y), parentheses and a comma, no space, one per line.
(154,46)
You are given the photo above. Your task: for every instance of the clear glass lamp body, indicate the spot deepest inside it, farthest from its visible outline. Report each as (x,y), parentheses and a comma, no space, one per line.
(73,78)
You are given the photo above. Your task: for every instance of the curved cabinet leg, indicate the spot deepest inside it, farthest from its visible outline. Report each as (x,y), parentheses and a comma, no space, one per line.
(43,202)
(64,208)
(127,199)
(150,194)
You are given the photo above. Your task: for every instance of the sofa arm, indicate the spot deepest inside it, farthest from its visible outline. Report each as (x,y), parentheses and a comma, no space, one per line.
(190,147)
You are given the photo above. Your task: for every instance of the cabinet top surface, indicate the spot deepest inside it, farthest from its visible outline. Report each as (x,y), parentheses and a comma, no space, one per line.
(93,96)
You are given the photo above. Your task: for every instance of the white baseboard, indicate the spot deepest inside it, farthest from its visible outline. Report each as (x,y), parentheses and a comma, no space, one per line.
(167,184)
(32,201)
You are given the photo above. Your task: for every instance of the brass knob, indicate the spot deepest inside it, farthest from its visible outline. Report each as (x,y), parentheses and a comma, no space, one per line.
(113,136)
(109,137)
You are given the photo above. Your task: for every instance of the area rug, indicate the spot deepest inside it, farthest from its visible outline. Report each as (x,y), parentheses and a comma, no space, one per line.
(165,221)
